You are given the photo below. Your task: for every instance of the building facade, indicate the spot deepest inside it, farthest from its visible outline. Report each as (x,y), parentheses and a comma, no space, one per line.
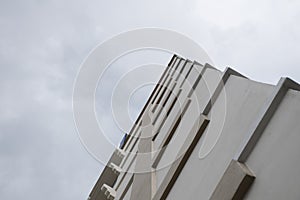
(207,134)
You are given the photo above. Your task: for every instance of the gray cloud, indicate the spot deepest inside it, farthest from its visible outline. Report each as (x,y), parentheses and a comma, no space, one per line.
(42,45)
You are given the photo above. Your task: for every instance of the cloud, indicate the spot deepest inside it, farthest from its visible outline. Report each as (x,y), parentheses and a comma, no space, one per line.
(42,44)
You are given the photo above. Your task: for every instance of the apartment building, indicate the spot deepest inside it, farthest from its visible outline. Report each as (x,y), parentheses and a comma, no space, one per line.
(209,134)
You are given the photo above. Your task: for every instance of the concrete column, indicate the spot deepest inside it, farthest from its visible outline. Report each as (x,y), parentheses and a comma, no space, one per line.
(235,182)
(142,181)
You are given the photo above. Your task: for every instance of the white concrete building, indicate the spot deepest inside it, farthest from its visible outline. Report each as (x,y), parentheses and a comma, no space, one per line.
(206,134)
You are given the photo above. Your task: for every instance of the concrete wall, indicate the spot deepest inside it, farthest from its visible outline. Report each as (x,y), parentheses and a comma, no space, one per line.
(276,157)
(244,99)
(236,139)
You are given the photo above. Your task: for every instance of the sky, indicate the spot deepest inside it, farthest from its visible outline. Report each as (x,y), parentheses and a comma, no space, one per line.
(43,43)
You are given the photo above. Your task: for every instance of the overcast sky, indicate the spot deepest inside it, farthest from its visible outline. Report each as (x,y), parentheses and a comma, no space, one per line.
(43,43)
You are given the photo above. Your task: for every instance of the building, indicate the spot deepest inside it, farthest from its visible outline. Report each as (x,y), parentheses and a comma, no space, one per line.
(207,134)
